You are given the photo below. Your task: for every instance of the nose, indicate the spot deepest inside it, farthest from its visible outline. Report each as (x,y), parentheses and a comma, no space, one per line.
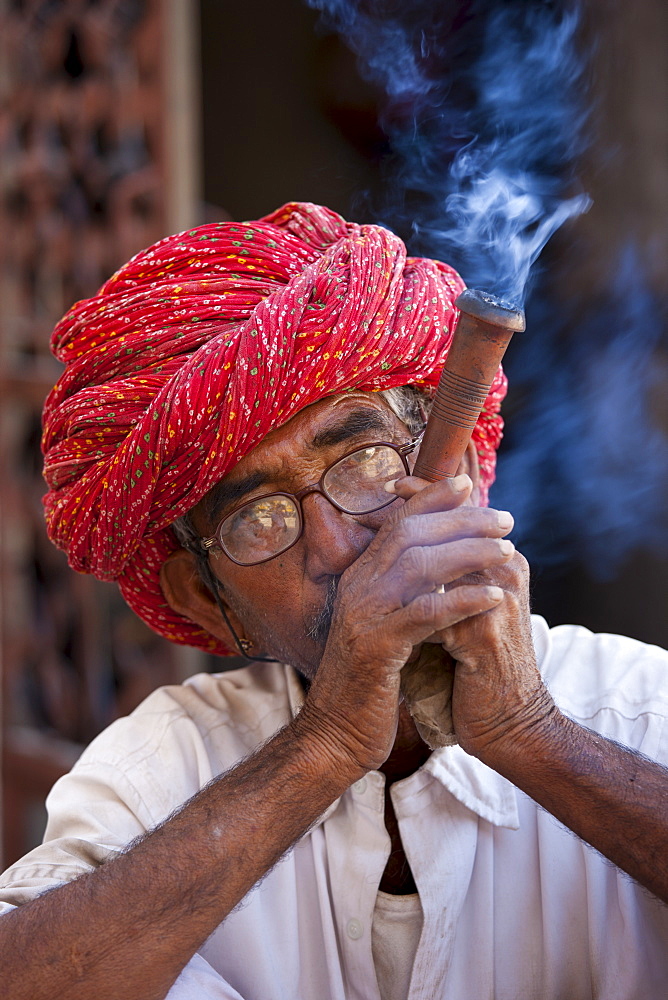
(333,540)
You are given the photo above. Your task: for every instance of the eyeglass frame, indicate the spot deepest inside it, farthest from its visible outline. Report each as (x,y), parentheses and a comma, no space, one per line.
(402,451)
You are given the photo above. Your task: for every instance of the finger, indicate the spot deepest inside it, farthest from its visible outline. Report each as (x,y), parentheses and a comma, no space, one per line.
(447,526)
(422,568)
(432,613)
(426,498)
(512,576)
(433,529)
(448,494)
(407,487)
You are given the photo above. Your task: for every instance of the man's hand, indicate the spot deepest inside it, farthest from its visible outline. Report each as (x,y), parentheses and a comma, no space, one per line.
(609,795)
(498,691)
(388,602)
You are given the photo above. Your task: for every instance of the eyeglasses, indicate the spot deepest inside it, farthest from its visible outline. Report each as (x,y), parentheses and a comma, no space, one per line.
(266,526)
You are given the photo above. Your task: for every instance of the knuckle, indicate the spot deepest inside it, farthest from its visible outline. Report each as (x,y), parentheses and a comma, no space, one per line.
(408,529)
(413,562)
(448,636)
(422,609)
(512,603)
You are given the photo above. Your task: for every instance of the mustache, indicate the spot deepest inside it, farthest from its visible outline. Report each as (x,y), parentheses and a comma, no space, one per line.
(319,624)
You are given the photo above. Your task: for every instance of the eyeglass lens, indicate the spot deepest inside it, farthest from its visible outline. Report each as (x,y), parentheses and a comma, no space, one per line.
(266,527)
(357,482)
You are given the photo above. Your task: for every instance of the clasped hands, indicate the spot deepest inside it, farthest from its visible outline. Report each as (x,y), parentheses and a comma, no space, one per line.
(388,604)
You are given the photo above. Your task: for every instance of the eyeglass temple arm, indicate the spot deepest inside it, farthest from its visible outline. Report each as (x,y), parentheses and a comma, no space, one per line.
(406,449)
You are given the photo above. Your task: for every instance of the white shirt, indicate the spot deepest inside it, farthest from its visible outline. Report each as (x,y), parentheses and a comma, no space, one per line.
(514,906)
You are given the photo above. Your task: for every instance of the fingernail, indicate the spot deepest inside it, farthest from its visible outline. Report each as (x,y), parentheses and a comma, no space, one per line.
(494,593)
(506,546)
(461,483)
(505,519)
(390,486)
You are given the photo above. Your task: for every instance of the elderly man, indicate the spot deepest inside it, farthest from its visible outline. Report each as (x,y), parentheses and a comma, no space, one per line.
(232,441)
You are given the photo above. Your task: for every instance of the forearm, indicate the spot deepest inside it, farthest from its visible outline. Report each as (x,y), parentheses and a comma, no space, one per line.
(128,928)
(610,796)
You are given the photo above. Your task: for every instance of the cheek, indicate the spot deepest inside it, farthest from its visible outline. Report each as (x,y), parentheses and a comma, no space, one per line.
(271,595)
(275,605)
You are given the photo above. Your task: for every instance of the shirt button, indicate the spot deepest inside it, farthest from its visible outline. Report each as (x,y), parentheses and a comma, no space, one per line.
(360,786)
(355,929)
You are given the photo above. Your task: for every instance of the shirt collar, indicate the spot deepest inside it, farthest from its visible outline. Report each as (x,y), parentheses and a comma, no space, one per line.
(475,785)
(471,782)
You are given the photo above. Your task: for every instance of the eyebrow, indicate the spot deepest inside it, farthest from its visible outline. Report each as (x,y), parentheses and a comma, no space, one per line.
(227,493)
(353,424)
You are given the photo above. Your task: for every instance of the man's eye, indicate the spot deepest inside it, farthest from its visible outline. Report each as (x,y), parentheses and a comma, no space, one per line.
(273,516)
(377,463)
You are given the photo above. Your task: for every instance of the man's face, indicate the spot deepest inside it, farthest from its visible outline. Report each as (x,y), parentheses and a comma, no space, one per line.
(283,605)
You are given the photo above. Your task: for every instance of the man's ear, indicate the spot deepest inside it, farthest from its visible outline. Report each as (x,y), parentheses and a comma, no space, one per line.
(187,594)
(470,465)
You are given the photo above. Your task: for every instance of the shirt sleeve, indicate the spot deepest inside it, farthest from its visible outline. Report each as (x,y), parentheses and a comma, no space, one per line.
(142,768)
(611,684)
(93,815)
(129,780)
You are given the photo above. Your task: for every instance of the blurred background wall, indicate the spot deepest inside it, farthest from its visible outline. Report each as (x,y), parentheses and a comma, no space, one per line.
(123,120)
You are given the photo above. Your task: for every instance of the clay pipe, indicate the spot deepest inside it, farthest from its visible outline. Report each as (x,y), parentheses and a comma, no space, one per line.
(481,337)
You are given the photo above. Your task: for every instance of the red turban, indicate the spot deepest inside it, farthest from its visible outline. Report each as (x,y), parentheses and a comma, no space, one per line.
(199,346)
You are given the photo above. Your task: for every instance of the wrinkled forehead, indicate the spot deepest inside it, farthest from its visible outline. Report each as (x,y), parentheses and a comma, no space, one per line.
(327,422)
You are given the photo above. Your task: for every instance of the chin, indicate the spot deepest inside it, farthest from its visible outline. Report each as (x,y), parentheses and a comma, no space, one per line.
(306,659)
(304,656)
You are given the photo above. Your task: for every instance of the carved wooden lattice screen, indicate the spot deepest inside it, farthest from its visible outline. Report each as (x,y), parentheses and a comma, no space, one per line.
(83,96)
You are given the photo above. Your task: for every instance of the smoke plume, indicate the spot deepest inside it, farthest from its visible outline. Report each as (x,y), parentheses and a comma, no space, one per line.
(486,115)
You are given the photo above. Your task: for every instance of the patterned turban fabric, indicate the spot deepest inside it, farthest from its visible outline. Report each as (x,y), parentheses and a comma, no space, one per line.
(200,345)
